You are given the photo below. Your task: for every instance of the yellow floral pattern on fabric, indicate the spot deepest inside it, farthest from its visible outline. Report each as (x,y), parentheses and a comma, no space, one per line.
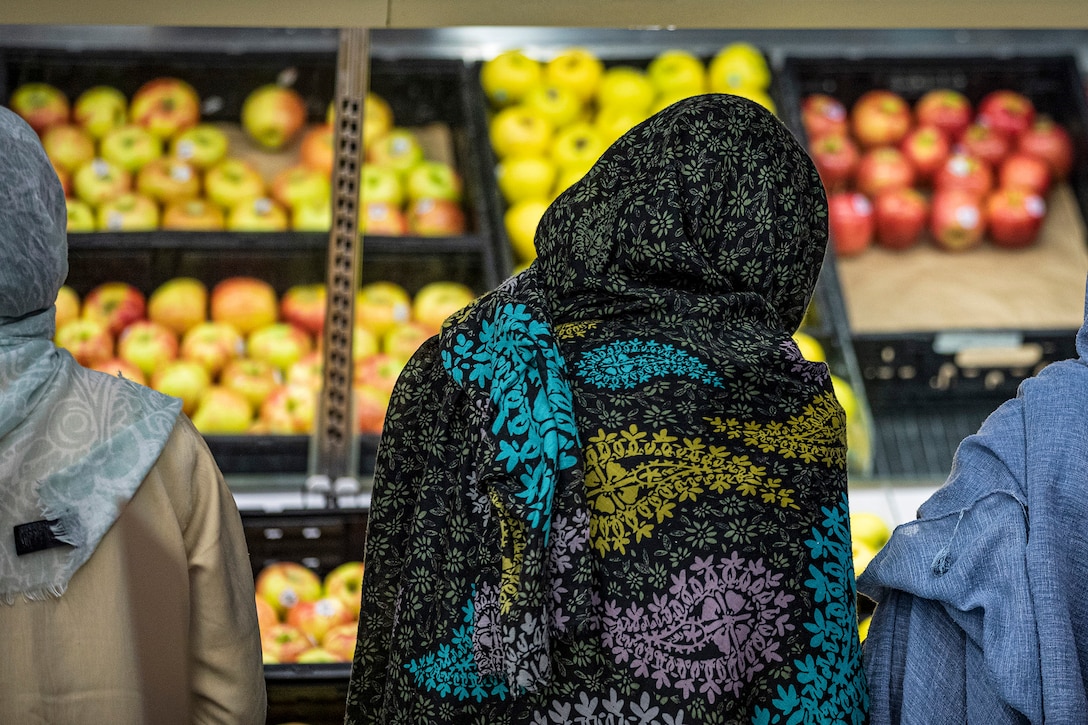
(570,330)
(512,537)
(810,436)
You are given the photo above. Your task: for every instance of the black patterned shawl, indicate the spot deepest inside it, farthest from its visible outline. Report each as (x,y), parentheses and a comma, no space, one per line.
(612,490)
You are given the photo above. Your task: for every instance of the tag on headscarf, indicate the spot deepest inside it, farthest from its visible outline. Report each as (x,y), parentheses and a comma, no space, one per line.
(36,536)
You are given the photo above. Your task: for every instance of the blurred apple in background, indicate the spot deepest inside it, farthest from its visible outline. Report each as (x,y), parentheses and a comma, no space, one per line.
(262,214)
(66,306)
(315,656)
(307,371)
(340,641)
(578,145)
(518,131)
(610,123)
(100,109)
(279,343)
(507,77)
(222,411)
(204,145)
(148,345)
(41,105)
(345,583)
(382,218)
(436,218)
(1050,141)
(98,181)
(65,179)
(68,145)
(964,172)
(89,341)
(273,115)
(984,143)
(312,216)
(233,180)
(129,212)
(315,618)
(525,177)
(398,149)
(957,219)
(851,222)
(303,305)
(371,405)
(212,344)
(193,215)
(299,184)
(364,342)
(822,114)
(168,180)
(284,642)
(381,304)
(677,72)
(738,66)
(118,367)
(577,69)
(1006,111)
(404,338)
(182,379)
(433,180)
(880,117)
(80,216)
(130,147)
(926,148)
(556,104)
(179,303)
(436,301)
(266,614)
(379,371)
(1015,217)
(380,184)
(246,303)
(316,148)
(1024,171)
(900,215)
(883,168)
(836,157)
(116,304)
(377,118)
(255,379)
(289,410)
(165,106)
(520,221)
(626,86)
(947,109)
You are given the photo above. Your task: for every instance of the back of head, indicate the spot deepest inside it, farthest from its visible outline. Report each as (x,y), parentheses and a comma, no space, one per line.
(33,222)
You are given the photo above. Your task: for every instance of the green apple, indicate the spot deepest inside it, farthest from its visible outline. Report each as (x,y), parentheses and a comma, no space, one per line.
(88,340)
(525,177)
(68,145)
(80,216)
(577,69)
(273,115)
(100,109)
(508,77)
(204,145)
(558,104)
(222,411)
(184,379)
(381,184)
(578,146)
(280,343)
(130,147)
(300,184)
(99,180)
(677,71)
(232,180)
(312,216)
(399,149)
(129,212)
(627,86)
(149,346)
(519,131)
(433,180)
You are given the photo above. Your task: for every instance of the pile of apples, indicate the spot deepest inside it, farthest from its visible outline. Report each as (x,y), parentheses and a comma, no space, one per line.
(243,359)
(551,119)
(305,618)
(151,162)
(939,170)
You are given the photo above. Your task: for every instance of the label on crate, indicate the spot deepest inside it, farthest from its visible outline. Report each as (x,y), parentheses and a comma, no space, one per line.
(949,343)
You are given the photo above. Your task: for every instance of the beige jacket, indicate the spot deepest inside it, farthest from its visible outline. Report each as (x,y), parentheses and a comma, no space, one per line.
(158,627)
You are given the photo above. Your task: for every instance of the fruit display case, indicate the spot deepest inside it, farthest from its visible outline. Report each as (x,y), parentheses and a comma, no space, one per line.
(942,337)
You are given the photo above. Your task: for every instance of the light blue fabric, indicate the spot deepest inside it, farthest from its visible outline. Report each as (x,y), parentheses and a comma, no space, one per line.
(74,444)
(982,608)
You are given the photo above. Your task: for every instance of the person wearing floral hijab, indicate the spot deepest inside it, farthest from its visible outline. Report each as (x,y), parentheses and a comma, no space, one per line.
(612,490)
(126,594)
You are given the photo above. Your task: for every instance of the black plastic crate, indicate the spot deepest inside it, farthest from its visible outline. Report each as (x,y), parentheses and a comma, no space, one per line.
(935,366)
(311,694)
(320,539)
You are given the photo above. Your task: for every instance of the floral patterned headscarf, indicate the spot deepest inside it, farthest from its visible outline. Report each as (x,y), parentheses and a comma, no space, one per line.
(74,444)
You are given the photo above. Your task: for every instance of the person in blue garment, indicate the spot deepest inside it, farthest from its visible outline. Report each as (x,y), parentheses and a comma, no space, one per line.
(612,490)
(981,613)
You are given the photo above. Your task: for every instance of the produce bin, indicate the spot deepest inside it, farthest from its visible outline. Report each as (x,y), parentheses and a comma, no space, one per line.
(941,338)
(430,97)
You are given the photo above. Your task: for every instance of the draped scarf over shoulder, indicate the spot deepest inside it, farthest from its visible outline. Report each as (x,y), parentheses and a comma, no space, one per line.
(599,421)
(74,445)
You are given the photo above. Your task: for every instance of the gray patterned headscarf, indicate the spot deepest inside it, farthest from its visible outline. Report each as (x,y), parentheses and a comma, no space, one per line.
(74,444)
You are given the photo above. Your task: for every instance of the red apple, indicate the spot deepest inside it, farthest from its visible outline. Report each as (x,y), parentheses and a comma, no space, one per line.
(947,109)
(882,168)
(179,303)
(1048,140)
(303,305)
(901,216)
(316,148)
(41,105)
(315,618)
(926,148)
(168,180)
(822,114)
(345,583)
(985,143)
(222,411)
(193,215)
(273,115)
(68,145)
(165,106)
(382,218)
(289,410)
(880,118)
(212,344)
(957,219)
(379,371)
(120,368)
(836,158)
(436,217)
(246,303)
(1025,171)
(99,109)
(964,172)
(435,301)
(279,343)
(371,405)
(148,345)
(340,641)
(116,304)
(89,341)
(283,643)
(285,584)
(255,379)
(1007,111)
(1015,217)
(851,222)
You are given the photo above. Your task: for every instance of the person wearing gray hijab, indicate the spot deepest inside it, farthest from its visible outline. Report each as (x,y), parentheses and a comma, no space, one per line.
(126,594)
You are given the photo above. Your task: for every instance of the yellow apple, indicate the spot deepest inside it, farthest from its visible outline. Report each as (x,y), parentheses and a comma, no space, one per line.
(212,344)
(578,145)
(344,583)
(558,104)
(340,641)
(285,584)
(254,379)
(222,411)
(377,118)
(261,214)
(577,69)
(129,212)
(179,303)
(738,65)
(381,304)
(520,222)
(436,301)
(66,306)
(519,131)
(182,379)
(246,303)
(273,115)
(80,216)
(870,529)
(525,177)
(810,347)
(165,106)
(280,343)
(509,76)
(677,71)
(627,86)
(100,109)
(315,618)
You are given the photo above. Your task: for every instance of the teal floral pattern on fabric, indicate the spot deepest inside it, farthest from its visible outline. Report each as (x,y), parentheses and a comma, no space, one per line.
(625,364)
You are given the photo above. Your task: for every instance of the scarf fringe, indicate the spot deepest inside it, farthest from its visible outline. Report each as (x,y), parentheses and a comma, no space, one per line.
(38,594)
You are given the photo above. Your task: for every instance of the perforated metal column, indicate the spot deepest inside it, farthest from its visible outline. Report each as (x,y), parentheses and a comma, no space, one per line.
(335,456)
